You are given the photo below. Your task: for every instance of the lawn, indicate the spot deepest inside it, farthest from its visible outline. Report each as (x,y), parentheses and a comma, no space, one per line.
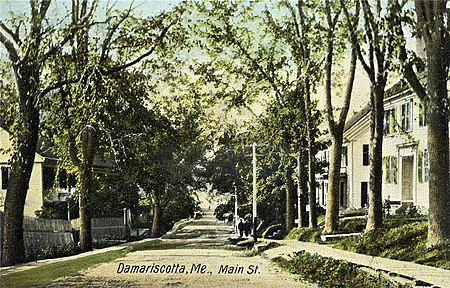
(43,275)
(401,238)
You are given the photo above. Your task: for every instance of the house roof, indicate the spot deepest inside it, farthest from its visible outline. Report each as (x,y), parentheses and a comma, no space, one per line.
(358,116)
(399,89)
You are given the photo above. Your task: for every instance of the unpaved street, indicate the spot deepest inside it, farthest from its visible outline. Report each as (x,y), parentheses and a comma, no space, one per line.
(197,255)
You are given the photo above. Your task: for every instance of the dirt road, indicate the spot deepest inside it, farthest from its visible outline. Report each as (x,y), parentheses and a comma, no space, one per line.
(197,255)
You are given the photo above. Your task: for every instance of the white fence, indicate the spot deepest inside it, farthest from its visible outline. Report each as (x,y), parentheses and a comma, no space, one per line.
(42,233)
(104,228)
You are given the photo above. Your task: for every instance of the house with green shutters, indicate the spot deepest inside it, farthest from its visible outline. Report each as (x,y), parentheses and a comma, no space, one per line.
(405,155)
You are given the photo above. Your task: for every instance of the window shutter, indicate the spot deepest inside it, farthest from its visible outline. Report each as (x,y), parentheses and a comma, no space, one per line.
(394,162)
(393,120)
(386,166)
(420,166)
(421,116)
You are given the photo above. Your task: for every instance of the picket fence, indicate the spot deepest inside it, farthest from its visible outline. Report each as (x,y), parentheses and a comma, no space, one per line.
(42,233)
(104,228)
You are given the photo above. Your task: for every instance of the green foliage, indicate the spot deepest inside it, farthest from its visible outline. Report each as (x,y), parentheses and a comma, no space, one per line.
(178,208)
(58,251)
(353,212)
(401,239)
(53,210)
(222,209)
(438,256)
(228,168)
(42,276)
(305,234)
(328,272)
(352,225)
(114,193)
(105,243)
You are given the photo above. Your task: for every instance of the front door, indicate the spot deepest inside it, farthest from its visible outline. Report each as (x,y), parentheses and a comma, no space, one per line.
(407,178)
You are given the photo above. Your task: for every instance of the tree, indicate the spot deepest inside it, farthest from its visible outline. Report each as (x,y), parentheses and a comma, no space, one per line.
(163,162)
(278,57)
(433,28)
(282,128)
(93,68)
(377,60)
(28,56)
(336,127)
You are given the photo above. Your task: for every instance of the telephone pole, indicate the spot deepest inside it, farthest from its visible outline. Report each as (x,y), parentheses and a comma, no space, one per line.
(255,189)
(255,192)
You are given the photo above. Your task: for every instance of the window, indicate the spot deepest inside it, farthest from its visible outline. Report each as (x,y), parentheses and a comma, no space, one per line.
(48,178)
(344,157)
(6,175)
(422,116)
(424,166)
(407,116)
(364,194)
(366,154)
(389,122)
(391,169)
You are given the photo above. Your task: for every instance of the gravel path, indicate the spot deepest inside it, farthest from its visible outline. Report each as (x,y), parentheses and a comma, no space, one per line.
(199,256)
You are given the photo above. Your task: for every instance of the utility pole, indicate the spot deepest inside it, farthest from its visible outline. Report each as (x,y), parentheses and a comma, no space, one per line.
(235,209)
(255,189)
(255,192)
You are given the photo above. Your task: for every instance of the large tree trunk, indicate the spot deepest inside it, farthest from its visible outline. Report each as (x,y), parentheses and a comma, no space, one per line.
(289,200)
(86,186)
(334,172)
(438,145)
(27,71)
(157,215)
(439,190)
(88,135)
(22,166)
(375,217)
(302,187)
(311,161)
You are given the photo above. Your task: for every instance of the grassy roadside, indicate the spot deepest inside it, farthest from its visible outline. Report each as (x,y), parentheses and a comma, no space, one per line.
(328,272)
(401,238)
(45,274)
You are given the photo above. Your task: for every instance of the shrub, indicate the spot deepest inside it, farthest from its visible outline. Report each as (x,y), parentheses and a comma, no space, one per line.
(405,242)
(328,272)
(305,234)
(105,243)
(352,225)
(399,243)
(63,250)
(352,212)
(437,256)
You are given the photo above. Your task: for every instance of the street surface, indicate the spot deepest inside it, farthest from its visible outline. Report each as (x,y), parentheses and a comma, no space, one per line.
(196,255)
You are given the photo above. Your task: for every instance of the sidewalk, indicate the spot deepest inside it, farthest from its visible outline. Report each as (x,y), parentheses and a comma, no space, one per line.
(29,265)
(420,274)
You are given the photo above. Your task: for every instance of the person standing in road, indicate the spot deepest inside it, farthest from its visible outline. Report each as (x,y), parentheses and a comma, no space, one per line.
(241,227)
